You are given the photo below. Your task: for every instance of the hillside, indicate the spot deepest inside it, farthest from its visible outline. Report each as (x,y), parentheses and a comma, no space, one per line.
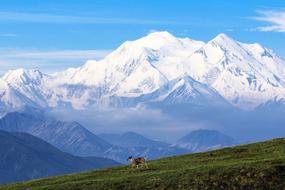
(255,166)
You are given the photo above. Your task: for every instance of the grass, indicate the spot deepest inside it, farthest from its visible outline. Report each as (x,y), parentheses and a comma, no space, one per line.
(254,166)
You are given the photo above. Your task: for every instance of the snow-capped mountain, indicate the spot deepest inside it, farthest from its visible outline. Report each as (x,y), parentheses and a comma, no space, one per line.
(22,87)
(244,74)
(156,68)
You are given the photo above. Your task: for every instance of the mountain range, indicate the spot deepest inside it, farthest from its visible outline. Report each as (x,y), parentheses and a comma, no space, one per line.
(195,141)
(156,68)
(138,145)
(75,139)
(25,157)
(69,137)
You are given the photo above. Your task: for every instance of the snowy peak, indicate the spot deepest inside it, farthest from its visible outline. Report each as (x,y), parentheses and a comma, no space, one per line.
(237,71)
(231,46)
(186,90)
(156,40)
(225,44)
(222,39)
(161,34)
(152,41)
(23,88)
(161,50)
(219,47)
(23,76)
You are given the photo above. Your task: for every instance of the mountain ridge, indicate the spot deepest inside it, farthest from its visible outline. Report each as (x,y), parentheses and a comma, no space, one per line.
(237,71)
(204,140)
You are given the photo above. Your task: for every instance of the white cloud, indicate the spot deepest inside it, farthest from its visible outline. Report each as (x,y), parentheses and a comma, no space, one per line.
(67,19)
(9,35)
(48,61)
(57,54)
(275,19)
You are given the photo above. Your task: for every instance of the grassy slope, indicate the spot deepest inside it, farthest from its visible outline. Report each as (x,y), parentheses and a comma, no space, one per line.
(255,166)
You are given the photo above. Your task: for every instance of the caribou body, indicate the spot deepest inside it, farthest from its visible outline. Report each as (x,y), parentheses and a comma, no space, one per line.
(136,162)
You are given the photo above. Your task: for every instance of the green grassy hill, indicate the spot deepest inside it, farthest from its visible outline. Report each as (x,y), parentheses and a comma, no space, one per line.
(254,166)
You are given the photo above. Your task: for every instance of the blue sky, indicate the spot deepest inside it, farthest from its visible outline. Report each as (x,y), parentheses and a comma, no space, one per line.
(52,35)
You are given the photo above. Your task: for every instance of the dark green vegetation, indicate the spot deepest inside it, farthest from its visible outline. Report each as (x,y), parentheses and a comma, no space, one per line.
(255,166)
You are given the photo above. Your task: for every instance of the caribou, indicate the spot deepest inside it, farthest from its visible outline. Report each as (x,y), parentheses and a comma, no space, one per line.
(136,162)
